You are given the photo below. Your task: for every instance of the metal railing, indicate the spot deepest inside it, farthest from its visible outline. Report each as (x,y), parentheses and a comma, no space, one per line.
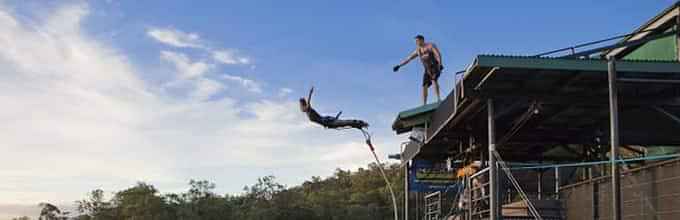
(433,206)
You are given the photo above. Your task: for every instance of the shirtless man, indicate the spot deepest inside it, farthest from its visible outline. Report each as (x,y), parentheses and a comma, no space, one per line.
(432,62)
(327,121)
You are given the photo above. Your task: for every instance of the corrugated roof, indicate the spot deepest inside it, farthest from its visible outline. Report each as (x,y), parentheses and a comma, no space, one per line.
(418,110)
(532,62)
(572,94)
(413,117)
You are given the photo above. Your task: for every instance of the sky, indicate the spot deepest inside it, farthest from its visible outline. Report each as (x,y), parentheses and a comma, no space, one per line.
(102,94)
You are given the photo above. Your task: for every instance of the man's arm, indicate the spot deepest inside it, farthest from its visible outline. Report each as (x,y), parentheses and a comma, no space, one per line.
(309,97)
(437,54)
(410,57)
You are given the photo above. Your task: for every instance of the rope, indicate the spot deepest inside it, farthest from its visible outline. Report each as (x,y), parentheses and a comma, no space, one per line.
(367,136)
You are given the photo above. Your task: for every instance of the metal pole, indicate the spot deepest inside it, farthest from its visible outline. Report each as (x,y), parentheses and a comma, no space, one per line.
(406,193)
(614,135)
(468,203)
(540,184)
(677,34)
(493,180)
(557,182)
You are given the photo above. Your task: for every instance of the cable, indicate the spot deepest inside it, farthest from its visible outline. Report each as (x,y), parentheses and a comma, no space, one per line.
(382,171)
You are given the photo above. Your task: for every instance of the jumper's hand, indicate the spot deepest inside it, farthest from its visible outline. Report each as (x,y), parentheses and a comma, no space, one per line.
(441,67)
(396,68)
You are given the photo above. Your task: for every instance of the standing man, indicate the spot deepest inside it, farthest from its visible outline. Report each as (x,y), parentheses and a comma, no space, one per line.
(432,63)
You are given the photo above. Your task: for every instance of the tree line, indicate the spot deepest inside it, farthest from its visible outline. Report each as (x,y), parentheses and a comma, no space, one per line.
(357,195)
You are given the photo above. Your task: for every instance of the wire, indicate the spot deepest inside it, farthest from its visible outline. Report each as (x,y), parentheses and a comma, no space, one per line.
(367,136)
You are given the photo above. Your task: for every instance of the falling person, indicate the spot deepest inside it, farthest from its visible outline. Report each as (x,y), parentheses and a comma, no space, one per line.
(328,121)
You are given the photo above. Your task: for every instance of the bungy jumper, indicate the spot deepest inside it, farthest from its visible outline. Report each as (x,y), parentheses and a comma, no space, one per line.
(334,122)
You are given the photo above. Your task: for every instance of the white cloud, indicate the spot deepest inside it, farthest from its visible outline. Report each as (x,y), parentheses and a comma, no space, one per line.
(249,84)
(79,117)
(175,38)
(285,91)
(178,38)
(229,57)
(186,68)
(206,88)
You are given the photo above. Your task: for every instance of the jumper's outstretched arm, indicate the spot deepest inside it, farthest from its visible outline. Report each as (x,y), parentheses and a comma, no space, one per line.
(309,97)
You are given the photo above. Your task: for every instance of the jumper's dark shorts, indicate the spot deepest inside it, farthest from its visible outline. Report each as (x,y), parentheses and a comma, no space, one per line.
(431,73)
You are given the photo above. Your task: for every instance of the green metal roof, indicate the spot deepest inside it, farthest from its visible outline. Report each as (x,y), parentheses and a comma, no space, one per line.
(661,49)
(572,94)
(417,110)
(413,117)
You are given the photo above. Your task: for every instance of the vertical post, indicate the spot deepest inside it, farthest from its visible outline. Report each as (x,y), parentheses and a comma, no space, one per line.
(677,34)
(557,182)
(540,184)
(406,193)
(493,172)
(614,142)
(468,203)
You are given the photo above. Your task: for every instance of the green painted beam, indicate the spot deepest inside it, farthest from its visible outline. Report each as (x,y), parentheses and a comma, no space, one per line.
(414,117)
(519,62)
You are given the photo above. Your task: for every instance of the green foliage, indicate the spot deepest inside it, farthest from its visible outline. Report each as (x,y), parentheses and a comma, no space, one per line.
(359,195)
(51,212)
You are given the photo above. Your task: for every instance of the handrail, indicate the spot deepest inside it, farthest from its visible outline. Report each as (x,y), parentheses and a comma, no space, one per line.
(482,171)
(595,42)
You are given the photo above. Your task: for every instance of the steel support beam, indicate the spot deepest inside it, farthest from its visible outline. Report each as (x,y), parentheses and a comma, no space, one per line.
(493,168)
(557,182)
(677,32)
(643,80)
(614,135)
(671,116)
(406,194)
(488,75)
(540,184)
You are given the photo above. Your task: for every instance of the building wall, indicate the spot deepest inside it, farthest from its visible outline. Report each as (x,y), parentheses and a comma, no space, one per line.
(650,192)
(662,49)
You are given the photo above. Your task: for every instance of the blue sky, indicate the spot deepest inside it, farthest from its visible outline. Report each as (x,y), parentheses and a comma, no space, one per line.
(107,93)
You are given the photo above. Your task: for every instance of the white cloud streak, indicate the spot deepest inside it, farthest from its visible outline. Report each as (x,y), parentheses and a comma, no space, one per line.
(175,38)
(248,84)
(229,57)
(186,68)
(181,39)
(285,91)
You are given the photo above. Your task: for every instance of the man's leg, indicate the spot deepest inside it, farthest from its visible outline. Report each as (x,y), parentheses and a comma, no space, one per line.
(339,123)
(427,82)
(436,90)
(425,87)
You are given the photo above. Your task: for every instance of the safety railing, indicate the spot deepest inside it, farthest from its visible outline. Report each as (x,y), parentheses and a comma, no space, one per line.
(433,206)
(473,202)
